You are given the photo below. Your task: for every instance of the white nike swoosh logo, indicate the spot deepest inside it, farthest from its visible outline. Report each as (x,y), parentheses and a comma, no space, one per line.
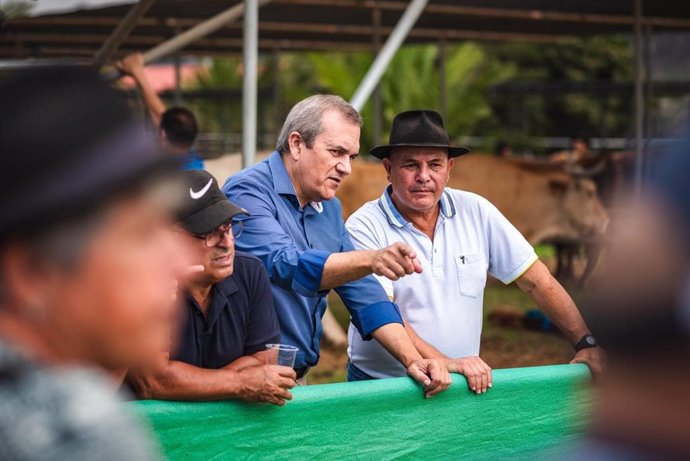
(198,195)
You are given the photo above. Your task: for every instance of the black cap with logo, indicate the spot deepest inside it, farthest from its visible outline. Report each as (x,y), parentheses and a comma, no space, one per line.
(205,207)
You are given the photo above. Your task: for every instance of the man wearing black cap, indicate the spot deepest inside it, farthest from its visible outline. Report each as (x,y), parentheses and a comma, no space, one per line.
(458,237)
(228,315)
(86,262)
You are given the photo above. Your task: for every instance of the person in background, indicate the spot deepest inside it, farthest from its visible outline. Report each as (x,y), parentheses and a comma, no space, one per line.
(579,151)
(177,126)
(228,315)
(86,263)
(296,229)
(503,150)
(641,311)
(458,237)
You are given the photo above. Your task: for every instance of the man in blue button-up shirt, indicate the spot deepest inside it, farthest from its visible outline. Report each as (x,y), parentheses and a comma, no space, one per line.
(297,231)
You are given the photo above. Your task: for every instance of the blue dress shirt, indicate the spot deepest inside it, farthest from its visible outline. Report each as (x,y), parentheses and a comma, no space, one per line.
(293,243)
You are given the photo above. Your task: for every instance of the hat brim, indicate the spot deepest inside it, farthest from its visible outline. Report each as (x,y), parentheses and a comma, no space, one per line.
(382,152)
(208,219)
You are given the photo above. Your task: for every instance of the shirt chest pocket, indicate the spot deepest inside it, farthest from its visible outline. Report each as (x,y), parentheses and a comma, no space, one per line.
(471,274)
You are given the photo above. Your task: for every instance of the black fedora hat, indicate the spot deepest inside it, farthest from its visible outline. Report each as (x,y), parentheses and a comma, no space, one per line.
(418,128)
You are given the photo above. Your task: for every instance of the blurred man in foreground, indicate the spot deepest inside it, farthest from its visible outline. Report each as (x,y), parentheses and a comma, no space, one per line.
(227,317)
(296,229)
(457,236)
(86,263)
(177,126)
(641,312)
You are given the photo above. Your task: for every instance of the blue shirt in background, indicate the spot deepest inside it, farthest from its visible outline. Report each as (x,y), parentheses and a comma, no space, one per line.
(192,161)
(293,243)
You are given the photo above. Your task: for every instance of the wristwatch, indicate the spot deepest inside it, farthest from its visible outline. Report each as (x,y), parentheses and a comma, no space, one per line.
(585,342)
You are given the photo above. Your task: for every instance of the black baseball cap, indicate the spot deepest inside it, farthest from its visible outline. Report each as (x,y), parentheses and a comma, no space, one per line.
(205,207)
(68,144)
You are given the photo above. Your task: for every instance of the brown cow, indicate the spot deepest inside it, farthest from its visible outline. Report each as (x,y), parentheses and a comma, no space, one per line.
(545,203)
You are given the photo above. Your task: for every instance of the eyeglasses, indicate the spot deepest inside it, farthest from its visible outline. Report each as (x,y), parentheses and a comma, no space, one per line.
(212,239)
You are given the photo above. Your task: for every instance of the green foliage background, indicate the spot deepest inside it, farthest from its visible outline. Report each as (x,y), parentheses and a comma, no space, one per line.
(471,71)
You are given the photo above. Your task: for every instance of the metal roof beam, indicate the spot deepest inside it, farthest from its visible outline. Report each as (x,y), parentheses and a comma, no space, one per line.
(384,57)
(121,32)
(323,42)
(502,13)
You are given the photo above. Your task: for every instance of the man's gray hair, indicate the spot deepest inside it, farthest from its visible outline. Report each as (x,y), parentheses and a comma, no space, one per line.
(305,118)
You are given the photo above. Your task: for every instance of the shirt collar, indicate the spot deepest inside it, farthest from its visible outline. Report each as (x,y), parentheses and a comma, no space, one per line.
(281,180)
(228,286)
(396,219)
(220,292)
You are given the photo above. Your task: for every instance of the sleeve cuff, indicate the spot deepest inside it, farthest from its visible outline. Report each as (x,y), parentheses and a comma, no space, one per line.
(521,269)
(307,278)
(261,346)
(374,316)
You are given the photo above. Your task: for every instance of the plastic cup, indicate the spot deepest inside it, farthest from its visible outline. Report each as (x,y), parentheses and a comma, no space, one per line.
(281,354)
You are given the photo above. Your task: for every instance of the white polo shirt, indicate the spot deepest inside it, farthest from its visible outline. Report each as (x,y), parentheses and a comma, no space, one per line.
(444,303)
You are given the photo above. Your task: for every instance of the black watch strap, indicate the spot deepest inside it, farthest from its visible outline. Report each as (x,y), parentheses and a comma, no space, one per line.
(585,342)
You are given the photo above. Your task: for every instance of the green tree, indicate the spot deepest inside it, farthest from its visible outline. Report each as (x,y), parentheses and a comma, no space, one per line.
(600,59)
(412,82)
(15,9)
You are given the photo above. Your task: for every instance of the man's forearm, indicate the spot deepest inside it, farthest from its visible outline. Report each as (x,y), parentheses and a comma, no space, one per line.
(394,338)
(561,309)
(247,361)
(342,268)
(425,349)
(181,381)
(154,104)
(554,301)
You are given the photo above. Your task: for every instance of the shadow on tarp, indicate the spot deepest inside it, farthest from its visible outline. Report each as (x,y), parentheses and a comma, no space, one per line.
(527,411)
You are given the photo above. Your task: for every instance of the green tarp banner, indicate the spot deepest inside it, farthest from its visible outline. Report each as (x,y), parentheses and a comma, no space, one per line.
(527,410)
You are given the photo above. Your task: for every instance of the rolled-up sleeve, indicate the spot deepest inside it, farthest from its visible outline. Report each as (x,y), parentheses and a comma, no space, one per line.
(264,237)
(371,317)
(367,301)
(307,278)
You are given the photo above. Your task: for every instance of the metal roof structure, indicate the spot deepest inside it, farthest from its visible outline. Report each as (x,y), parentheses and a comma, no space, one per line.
(212,27)
(333,24)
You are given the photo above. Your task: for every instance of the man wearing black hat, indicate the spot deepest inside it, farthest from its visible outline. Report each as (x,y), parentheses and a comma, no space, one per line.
(458,237)
(86,260)
(227,318)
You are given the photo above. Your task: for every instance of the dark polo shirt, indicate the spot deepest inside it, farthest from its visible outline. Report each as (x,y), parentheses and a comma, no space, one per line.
(241,319)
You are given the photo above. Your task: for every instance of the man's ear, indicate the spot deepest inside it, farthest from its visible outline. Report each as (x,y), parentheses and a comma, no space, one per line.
(451,164)
(558,186)
(295,143)
(21,276)
(387,165)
